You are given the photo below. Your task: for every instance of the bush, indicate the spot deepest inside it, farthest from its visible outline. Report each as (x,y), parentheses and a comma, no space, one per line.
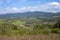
(55,30)
(57,25)
(46,31)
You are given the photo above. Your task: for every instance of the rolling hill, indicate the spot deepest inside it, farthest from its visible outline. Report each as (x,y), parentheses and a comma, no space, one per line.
(36,14)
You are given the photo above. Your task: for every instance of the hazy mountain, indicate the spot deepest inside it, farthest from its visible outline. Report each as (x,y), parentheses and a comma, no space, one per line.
(37,14)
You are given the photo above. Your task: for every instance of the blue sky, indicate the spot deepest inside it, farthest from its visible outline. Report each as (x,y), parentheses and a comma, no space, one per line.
(14,6)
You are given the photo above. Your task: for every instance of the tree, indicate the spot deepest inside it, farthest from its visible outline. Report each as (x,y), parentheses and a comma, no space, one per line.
(57,25)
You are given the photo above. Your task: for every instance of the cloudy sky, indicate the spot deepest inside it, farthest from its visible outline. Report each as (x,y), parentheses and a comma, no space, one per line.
(14,6)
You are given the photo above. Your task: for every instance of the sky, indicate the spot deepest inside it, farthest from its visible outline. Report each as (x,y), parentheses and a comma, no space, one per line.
(18,6)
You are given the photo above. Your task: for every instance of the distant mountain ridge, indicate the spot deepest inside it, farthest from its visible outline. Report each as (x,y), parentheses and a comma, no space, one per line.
(37,14)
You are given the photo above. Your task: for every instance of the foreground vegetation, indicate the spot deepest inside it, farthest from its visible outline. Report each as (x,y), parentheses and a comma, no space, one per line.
(32,37)
(30,26)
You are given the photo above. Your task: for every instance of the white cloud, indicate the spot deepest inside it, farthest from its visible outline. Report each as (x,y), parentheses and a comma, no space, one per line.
(15,9)
(54,3)
(48,7)
(54,6)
